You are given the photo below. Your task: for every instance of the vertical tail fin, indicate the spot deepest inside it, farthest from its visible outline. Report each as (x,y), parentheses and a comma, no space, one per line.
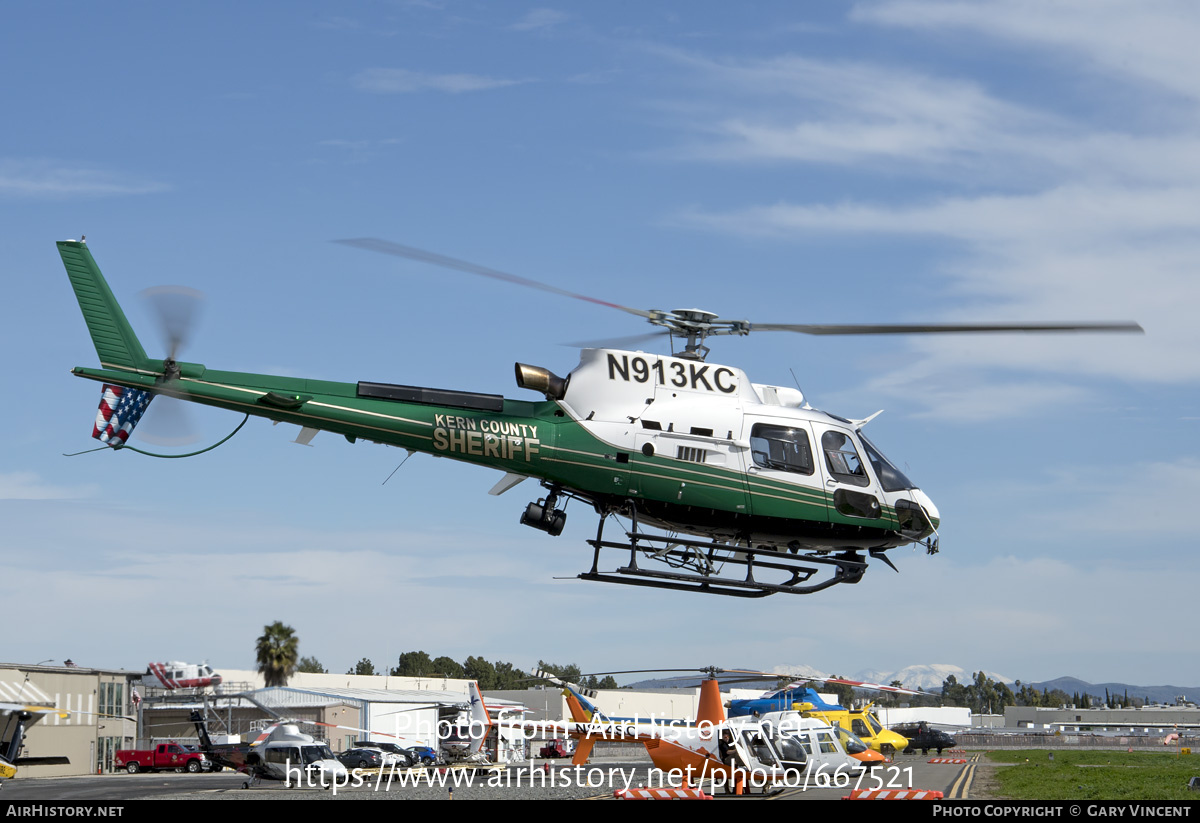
(480,721)
(710,710)
(115,341)
(582,710)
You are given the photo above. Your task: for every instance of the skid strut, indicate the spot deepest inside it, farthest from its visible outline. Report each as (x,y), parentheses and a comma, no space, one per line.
(696,565)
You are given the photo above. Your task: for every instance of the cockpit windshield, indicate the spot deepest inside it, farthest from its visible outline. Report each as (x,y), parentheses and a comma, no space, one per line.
(852,742)
(890,477)
(315,754)
(792,749)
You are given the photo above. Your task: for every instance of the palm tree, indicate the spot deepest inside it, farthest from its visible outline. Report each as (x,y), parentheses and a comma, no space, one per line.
(278,650)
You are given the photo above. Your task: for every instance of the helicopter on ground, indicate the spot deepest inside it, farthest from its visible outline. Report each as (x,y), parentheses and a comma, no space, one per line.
(280,752)
(15,720)
(729,487)
(803,698)
(464,739)
(775,748)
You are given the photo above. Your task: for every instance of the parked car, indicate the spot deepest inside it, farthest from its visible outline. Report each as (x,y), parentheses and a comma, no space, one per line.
(558,747)
(393,755)
(422,754)
(163,756)
(210,765)
(359,758)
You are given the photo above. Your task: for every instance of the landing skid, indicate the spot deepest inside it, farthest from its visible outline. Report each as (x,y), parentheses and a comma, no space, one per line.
(697,565)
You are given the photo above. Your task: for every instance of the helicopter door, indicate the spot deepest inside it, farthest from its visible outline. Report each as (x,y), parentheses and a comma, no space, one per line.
(794,750)
(781,472)
(688,470)
(855,493)
(754,751)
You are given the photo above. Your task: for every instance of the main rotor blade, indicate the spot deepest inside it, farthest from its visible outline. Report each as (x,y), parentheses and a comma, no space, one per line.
(411,253)
(875,687)
(945,328)
(619,342)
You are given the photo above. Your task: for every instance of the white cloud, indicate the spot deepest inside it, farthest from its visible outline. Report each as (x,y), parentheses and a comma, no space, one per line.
(1071,216)
(337,23)
(964,397)
(29,486)
(1043,617)
(540,20)
(51,179)
(1075,253)
(1146,502)
(1152,41)
(800,109)
(404,81)
(1062,220)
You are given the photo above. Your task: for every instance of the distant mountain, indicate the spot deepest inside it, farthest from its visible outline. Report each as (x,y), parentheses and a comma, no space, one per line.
(930,677)
(799,671)
(1155,694)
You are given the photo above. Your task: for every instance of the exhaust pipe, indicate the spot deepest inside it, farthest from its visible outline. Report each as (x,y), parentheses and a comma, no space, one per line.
(543,380)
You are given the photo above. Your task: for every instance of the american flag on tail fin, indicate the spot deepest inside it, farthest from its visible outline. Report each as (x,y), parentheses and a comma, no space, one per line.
(120,410)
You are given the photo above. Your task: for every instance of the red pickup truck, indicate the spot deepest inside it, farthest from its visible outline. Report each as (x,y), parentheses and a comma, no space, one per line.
(162,756)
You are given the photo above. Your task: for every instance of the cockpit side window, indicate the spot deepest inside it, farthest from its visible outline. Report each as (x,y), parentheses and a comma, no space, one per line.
(782,448)
(842,460)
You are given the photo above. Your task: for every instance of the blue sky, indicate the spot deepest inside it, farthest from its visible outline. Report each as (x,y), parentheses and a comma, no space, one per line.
(890,161)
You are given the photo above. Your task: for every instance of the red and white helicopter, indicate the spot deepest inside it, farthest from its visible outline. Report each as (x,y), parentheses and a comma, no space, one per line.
(179,675)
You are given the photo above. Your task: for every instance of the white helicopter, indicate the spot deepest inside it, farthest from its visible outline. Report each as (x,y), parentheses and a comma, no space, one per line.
(776,748)
(739,475)
(462,741)
(179,675)
(280,752)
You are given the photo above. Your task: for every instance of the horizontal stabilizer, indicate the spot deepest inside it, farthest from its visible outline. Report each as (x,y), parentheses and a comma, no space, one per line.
(506,482)
(307,433)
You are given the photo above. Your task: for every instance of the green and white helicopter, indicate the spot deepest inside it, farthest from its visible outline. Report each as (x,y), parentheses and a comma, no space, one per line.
(723,486)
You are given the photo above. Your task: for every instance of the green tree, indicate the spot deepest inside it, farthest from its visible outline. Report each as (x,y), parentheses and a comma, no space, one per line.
(364,666)
(1055,698)
(1028,696)
(481,671)
(570,672)
(277,652)
(448,666)
(845,694)
(891,699)
(310,665)
(1004,697)
(986,696)
(953,692)
(413,664)
(509,677)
